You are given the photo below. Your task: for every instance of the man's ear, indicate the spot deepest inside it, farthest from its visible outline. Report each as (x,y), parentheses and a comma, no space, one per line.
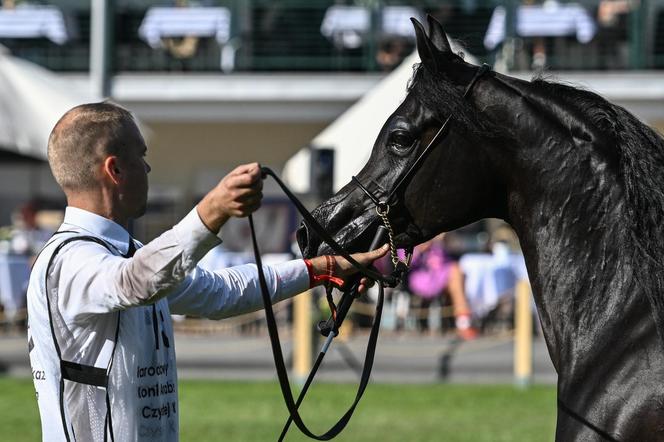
(437,35)
(111,169)
(425,47)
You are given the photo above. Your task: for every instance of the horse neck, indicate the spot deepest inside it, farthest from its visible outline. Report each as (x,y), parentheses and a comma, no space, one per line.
(569,210)
(596,291)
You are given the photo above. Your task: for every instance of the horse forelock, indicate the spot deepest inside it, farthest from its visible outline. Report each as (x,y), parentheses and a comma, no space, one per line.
(439,94)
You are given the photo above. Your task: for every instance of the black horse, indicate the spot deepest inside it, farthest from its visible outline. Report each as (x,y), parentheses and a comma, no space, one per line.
(581,181)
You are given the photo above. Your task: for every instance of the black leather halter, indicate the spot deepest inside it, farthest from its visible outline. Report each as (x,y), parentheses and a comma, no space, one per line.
(382,205)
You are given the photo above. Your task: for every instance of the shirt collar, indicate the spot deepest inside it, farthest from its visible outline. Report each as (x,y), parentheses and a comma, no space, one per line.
(98,226)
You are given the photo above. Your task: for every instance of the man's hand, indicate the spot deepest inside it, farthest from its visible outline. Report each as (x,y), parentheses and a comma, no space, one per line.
(238,194)
(343,268)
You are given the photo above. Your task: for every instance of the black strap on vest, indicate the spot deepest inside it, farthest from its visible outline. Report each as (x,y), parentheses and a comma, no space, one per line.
(84,374)
(72,371)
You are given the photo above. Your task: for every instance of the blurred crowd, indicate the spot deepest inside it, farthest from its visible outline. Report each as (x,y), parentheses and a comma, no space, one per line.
(451,288)
(189,35)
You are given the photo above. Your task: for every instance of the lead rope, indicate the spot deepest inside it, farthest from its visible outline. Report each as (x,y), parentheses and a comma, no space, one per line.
(282,373)
(277,353)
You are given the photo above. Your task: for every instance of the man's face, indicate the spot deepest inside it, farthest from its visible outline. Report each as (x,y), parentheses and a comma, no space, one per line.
(134,188)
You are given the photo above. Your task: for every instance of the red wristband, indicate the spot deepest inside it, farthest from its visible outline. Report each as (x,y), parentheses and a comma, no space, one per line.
(327,277)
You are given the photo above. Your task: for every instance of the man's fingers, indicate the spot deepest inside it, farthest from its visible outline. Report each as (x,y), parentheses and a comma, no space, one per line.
(244,181)
(346,268)
(251,198)
(243,196)
(246,209)
(245,176)
(251,168)
(365,284)
(369,257)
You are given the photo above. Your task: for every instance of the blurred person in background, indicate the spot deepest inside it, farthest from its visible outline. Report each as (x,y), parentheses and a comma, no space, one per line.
(434,274)
(27,237)
(490,278)
(391,52)
(99,302)
(613,19)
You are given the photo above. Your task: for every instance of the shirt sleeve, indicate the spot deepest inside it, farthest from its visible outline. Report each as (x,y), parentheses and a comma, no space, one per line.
(91,280)
(236,290)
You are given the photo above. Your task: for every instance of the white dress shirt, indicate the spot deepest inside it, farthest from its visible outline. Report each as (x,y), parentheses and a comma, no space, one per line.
(96,295)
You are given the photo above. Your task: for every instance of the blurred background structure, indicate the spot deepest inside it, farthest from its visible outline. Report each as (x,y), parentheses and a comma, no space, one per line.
(301,86)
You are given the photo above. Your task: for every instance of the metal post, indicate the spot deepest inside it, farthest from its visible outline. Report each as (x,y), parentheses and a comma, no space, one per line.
(637,31)
(509,46)
(523,335)
(374,34)
(302,331)
(101,37)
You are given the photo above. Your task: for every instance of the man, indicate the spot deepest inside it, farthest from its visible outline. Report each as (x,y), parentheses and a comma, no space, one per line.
(99,304)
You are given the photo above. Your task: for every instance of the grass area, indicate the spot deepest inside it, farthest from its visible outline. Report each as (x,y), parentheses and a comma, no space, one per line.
(243,411)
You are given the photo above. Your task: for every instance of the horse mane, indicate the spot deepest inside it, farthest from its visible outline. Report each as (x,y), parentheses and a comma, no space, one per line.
(639,150)
(640,171)
(635,149)
(640,153)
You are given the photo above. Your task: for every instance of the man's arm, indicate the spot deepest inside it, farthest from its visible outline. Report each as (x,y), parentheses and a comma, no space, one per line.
(236,290)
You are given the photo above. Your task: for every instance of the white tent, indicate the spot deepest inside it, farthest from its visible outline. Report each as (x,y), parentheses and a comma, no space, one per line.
(32,99)
(352,135)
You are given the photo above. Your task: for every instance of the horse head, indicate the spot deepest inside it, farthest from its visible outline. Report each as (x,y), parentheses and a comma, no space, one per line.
(457,183)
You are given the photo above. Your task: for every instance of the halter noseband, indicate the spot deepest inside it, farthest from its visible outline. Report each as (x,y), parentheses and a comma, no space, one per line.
(383,206)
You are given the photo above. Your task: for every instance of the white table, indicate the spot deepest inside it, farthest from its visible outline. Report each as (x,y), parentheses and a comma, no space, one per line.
(348,25)
(491,276)
(14,276)
(34,21)
(548,20)
(164,22)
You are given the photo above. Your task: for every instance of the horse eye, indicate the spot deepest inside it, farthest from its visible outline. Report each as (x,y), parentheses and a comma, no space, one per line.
(401,140)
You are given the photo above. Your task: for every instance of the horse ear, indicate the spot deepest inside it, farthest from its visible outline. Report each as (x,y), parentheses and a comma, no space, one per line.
(425,47)
(437,35)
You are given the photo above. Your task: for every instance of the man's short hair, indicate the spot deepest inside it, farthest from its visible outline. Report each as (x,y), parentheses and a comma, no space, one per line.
(82,138)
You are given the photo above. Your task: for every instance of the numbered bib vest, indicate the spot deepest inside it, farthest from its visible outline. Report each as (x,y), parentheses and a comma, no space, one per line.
(106,377)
